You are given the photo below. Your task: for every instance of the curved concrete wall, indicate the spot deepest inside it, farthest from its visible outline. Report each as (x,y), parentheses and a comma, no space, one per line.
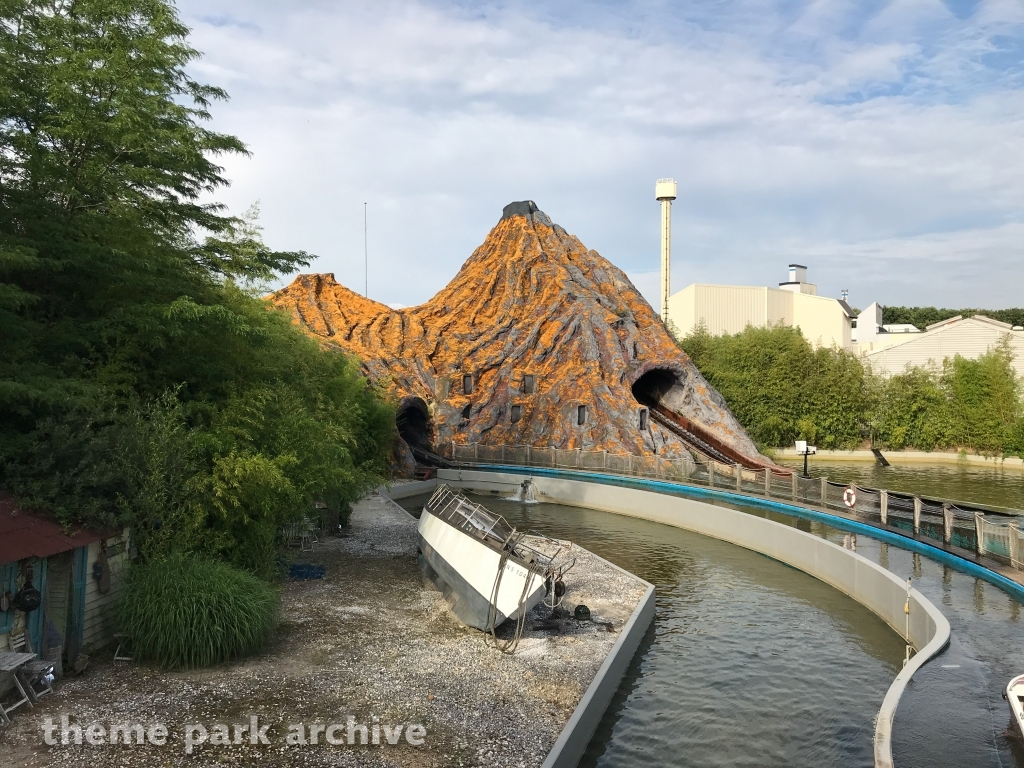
(866,582)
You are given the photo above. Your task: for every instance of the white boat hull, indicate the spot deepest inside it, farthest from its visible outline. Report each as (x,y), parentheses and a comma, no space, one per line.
(464,568)
(1014,696)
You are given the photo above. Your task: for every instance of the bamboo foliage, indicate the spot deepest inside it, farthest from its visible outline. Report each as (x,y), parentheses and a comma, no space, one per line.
(781,389)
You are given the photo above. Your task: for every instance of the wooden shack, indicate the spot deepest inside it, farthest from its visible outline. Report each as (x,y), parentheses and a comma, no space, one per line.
(79,574)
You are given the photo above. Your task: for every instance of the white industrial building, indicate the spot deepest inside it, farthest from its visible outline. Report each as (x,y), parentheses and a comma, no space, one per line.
(890,353)
(823,321)
(731,308)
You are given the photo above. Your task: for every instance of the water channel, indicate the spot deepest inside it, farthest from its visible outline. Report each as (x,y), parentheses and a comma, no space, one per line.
(752,663)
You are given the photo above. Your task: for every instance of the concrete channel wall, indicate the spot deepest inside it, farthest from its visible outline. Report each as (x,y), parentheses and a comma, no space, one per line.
(910,614)
(579,730)
(576,735)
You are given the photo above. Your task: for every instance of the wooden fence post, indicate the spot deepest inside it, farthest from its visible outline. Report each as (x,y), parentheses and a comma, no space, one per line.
(917,515)
(795,485)
(883,504)
(767,482)
(739,477)
(824,491)
(711,473)
(979,531)
(947,523)
(1013,530)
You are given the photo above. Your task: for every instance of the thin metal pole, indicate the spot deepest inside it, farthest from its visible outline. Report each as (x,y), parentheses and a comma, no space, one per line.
(366,258)
(666,256)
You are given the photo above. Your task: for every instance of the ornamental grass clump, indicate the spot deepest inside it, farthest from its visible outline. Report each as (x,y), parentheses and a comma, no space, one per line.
(184,612)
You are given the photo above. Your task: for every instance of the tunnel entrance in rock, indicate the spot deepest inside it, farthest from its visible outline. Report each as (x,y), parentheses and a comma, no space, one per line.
(664,394)
(652,388)
(413,421)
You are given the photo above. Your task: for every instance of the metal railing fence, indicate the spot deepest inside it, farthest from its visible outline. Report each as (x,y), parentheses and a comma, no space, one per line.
(988,533)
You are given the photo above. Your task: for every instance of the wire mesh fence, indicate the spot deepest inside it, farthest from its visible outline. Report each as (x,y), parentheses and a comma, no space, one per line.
(985,532)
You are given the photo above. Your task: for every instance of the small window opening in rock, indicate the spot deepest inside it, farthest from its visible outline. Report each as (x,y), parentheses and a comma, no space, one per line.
(528,384)
(644,419)
(517,413)
(466,411)
(581,415)
(467,384)
(636,350)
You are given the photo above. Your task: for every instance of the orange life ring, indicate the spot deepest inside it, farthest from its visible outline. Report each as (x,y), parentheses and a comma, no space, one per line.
(849,497)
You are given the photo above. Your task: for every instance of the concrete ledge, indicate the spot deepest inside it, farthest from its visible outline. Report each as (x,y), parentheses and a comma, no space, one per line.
(403,489)
(913,457)
(577,733)
(925,628)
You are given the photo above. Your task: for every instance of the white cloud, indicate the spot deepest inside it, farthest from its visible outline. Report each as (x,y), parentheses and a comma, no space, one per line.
(841,137)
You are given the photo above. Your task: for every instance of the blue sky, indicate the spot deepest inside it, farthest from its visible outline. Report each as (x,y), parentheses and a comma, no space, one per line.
(880,143)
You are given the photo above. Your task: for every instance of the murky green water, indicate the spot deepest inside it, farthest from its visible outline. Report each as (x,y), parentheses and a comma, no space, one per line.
(952,713)
(752,663)
(983,485)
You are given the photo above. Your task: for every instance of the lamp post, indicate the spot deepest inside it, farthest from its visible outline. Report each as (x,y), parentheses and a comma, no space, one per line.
(805,450)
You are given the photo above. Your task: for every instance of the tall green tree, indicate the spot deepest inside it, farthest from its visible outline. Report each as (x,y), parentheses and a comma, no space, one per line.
(104,165)
(141,380)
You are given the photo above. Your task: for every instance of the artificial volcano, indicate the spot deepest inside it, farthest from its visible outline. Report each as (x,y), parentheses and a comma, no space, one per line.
(536,341)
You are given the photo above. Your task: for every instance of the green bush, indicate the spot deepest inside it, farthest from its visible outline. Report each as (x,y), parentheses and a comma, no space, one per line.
(970,404)
(184,612)
(781,390)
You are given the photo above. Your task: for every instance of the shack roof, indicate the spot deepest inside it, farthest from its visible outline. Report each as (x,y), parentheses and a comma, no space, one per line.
(31,534)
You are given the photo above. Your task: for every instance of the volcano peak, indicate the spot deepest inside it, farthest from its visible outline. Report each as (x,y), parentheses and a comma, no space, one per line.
(537,340)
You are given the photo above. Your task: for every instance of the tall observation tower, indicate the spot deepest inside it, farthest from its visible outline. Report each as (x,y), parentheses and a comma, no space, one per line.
(665,192)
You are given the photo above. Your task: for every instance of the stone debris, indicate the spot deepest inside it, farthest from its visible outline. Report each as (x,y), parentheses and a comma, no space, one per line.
(372,639)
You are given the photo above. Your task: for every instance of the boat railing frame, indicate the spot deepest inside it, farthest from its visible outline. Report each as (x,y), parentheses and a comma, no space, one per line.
(446,502)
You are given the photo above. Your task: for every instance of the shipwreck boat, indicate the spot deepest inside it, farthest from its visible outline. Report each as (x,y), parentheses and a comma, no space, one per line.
(1014,695)
(481,563)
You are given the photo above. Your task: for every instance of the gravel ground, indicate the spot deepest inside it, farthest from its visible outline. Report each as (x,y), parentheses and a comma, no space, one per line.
(374,641)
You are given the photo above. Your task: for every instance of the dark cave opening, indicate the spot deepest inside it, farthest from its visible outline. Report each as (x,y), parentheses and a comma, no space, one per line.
(651,388)
(413,421)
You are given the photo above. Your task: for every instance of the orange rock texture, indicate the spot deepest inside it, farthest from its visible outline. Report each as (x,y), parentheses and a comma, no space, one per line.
(532,328)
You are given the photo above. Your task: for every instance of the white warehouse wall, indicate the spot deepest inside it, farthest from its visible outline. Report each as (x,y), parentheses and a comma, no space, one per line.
(731,308)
